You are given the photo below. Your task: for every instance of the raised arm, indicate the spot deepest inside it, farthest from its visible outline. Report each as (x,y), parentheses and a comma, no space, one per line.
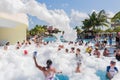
(38,66)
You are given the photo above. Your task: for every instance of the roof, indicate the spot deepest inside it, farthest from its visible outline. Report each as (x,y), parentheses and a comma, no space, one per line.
(11,20)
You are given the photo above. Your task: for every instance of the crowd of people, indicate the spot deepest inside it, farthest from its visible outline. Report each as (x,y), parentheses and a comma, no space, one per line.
(91,50)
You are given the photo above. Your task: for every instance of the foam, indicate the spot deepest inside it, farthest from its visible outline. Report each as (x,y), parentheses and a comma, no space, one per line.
(14,65)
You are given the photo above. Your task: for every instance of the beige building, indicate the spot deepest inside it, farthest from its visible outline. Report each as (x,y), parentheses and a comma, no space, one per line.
(13,27)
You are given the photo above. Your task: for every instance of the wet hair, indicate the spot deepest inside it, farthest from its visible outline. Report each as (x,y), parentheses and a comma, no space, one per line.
(112,62)
(18,42)
(96,48)
(66,50)
(75,42)
(7,43)
(49,63)
(73,48)
(105,49)
(114,51)
(17,47)
(78,49)
(29,43)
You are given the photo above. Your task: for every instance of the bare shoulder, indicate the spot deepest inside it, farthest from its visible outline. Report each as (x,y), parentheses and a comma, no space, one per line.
(53,69)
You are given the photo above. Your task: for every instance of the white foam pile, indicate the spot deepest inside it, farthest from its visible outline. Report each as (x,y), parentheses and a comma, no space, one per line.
(14,65)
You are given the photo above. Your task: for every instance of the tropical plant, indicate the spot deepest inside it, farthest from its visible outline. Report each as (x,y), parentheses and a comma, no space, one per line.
(117,29)
(87,24)
(78,30)
(109,30)
(102,19)
(116,17)
(95,20)
(98,30)
(42,31)
(38,30)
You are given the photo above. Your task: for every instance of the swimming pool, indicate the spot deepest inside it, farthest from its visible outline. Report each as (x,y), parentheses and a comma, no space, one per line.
(102,75)
(61,77)
(50,39)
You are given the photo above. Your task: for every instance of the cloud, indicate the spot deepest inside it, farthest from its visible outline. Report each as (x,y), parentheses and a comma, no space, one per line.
(11,6)
(77,17)
(58,18)
(110,14)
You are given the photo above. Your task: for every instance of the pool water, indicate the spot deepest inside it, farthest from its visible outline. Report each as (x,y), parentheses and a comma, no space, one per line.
(50,39)
(61,77)
(102,75)
(53,39)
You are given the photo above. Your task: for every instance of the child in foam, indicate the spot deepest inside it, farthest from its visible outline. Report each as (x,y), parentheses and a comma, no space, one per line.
(111,70)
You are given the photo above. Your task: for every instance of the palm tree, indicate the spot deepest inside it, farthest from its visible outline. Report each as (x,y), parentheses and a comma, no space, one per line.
(78,30)
(116,17)
(102,19)
(38,30)
(87,24)
(116,20)
(95,21)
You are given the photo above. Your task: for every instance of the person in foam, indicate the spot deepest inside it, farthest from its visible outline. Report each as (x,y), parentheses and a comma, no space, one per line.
(6,46)
(48,71)
(117,54)
(72,50)
(18,45)
(111,70)
(106,52)
(79,60)
(97,52)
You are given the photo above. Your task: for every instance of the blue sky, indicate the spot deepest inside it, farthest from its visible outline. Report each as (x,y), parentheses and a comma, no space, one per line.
(82,5)
(85,6)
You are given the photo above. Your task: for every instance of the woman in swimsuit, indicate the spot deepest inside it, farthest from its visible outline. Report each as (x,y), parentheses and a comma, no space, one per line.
(48,71)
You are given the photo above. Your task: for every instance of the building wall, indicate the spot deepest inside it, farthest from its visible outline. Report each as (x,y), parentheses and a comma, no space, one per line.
(13,34)
(13,27)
